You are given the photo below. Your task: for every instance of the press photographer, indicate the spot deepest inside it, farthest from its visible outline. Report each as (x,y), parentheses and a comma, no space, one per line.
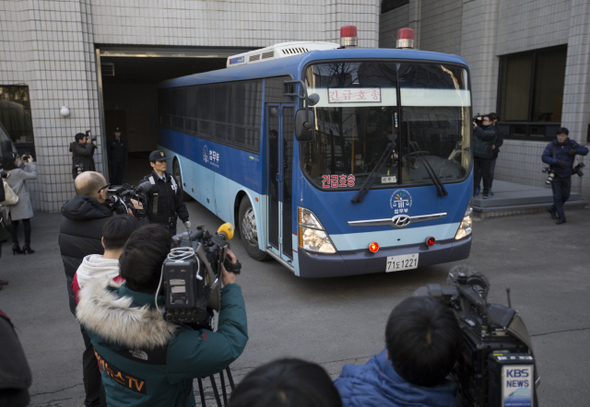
(80,233)
(82,150)
(484,134)
(560,155)
(146,359)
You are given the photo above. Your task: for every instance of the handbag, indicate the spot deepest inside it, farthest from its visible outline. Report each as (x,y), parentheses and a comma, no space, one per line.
(11,198)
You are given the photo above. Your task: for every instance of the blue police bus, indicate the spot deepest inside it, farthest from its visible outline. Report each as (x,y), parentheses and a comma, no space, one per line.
(332,160)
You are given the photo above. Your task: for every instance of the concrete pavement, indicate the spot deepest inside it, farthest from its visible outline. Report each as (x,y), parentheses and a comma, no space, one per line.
(335,321)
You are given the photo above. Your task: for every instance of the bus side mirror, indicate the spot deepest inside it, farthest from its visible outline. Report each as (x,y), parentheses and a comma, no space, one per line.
(304,125)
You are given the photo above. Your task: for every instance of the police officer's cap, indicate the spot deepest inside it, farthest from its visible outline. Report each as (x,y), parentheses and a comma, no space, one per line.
(117,130)
(157,155)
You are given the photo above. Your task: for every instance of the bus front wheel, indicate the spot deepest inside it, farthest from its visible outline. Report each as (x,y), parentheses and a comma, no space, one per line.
(178,175)
(249,231)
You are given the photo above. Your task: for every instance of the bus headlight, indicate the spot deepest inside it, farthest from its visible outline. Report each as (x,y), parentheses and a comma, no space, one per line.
(312,235)
(466,224)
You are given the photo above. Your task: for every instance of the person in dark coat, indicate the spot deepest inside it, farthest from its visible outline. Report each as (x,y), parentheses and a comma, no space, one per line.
(165,202)
(82,154)
(15,374)
(484,135)
(560,155)
(117,155)
(16,177)
(80,233)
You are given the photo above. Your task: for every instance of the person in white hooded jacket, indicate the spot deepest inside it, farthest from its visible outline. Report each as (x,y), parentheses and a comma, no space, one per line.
(115,233)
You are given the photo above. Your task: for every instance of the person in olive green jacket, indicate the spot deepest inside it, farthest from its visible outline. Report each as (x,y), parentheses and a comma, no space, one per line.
(145,359)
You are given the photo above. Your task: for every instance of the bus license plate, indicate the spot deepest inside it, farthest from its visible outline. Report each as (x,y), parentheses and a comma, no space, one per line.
(402,262)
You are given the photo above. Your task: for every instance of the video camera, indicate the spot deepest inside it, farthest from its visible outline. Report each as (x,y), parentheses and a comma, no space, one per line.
(498,367)
(191,275)
(120,197)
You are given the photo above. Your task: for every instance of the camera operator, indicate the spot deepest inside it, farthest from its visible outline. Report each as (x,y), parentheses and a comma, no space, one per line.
(146,360)
(165,202)
(484,134)
(82,154)
(560,155)
(423,343)
(80,234)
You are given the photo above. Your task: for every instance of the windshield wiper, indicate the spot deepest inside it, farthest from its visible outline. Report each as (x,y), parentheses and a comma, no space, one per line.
(442,191)
(371,178)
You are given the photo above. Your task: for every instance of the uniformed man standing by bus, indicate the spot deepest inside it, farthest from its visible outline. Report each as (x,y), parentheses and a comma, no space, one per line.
(165,203)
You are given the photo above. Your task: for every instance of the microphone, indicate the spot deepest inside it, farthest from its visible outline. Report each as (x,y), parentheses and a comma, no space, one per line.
(225,231)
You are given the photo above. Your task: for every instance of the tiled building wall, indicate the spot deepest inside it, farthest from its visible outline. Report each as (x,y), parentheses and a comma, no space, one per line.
(576,95)
(253,23)
(49,46)
(531,24)
(390,22)
(478,49)
(441,26)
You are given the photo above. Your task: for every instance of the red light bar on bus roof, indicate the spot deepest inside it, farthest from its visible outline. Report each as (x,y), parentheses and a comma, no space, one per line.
(348,36)
(405,38)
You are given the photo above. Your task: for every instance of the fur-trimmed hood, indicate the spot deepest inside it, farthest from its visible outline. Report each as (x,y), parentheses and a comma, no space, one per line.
(114,318)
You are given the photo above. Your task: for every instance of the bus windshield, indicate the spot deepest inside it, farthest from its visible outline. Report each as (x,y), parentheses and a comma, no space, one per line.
(388,120)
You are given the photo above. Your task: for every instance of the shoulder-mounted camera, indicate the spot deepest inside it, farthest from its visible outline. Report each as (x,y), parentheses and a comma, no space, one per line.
(498,366)
(191,275)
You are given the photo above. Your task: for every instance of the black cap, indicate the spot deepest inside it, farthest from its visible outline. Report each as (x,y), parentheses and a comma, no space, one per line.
(157,155)
(117,129)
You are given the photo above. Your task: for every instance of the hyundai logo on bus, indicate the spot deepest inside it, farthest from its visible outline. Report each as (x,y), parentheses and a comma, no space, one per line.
(400,221)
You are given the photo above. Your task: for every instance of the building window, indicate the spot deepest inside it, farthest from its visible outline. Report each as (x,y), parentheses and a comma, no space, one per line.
(530,94)
(15,116)
(388,5)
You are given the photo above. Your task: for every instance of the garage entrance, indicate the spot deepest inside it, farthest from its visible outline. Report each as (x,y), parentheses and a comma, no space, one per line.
(128,79)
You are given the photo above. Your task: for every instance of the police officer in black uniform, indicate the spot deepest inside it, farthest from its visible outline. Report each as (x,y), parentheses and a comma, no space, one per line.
(165,202)
(117,154)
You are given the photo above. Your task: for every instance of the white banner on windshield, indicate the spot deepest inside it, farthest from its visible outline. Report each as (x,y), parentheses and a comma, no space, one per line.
(367,97)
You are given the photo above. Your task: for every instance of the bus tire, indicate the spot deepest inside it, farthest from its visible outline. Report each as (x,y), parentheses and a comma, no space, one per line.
(178,175)
(249,231)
